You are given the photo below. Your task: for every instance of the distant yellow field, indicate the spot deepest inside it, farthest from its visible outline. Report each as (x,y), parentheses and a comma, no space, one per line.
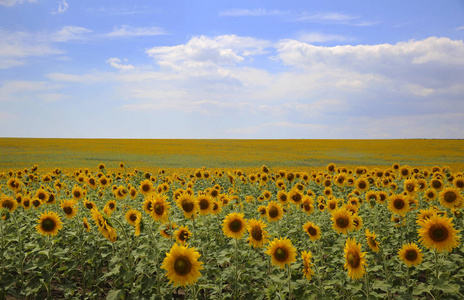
(145,153)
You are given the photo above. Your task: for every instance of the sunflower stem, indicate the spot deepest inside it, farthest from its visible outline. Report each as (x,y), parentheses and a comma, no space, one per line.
(289,282)
(2,293)
(366,280)
(20,244)
(436,273)
(49,283)
(236,269)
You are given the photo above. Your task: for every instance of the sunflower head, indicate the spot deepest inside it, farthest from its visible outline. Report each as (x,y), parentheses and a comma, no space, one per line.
(274,211)
(342,220)
(450,198)
(410,254)
(398,204)
(354,259)
(132,216)
(182,265)
(188,204)
(438,232)
(49,223)
(8,203)
(372,242)
(204,204)
(69,208)
(258,236)
(160,207)
(313,230)
(182,235)
(282,252)
(234,225)
(307,264)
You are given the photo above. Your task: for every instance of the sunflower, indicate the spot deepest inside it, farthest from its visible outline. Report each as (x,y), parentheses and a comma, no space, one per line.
(188,204)
(258,236)
(36,202)
(332,204)
(459,183)
(282,252)
(138,226)
(295,196)
(77,193)
(110,207)
(357,222)
(167,231)
(410,254)
(274,211)
(282,197)
(430,195)
(436,184)
(205,204)
(215,207)
(308,205)
(398,204)
(132,216)
(8,203)
(355,260)
(371,241)
(438,233)
(362,184)
(160,211)
(342,220)
(104,181)
(307,264)
(146,186)
(262,210)
(425,214)
(42,195)
(405,171)
(69,208)
(182,234)
(234,225)
(312,230)
(86,224)
(49,223)
(450,198)
(14,184)
(371,196)
(410,186)
(26,203)
(182,265)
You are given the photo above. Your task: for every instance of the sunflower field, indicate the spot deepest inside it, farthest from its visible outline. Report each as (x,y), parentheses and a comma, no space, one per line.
(335,232)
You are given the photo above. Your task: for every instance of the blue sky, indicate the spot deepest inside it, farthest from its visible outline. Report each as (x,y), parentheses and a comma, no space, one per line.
(232,69)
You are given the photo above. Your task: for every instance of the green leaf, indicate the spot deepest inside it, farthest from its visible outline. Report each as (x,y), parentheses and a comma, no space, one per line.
(115,295)
(448,287)
(381,285)
(421,288)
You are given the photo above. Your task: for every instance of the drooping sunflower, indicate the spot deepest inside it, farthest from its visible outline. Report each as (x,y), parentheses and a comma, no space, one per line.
(342,220)
(410,254)
(450,198)
(258,236)
(205,204)
(425,214)
(188,204)
(168,230)
(438,233)
(313,230)
(86,224)
(8,203)
(182,235)
(354,258)
(307,264)
(274,211)
(132,216)
(69,208)
(182,265)
(372,242)
(398,204)
(161,207)
(282,252)
(49,223)
(357,222)
(234,225)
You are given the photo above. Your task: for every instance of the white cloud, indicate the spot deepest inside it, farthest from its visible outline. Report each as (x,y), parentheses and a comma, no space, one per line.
(62,7)
(257,12)
(318,37)
(69,33)
(128,31)
(460,28)
(25,90)
(333,18)
(115,63)
(14,2)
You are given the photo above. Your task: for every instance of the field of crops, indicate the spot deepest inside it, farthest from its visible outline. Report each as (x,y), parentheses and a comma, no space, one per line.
(299,232)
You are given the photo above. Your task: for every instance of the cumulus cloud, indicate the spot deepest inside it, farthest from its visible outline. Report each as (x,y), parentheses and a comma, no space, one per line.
(116,63)
(62,7)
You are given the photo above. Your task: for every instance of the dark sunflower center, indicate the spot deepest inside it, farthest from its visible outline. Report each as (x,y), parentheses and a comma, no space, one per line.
(145,187)
(398,203)
(187,205)
(204,204)
(41,196)
(296,197)
(48,225)
(182,266)
(215,206)
(111,205)
(283,198)
(8,204)
(183,236)
(332,205)
(307,206)
(257,233)
(411,255)
(438,233)
(159,208)
(430,195)
(355,222)
(92,181)
(262,211)
(460,184)
(436,184)
(36,203)
(342,222)
(372,242)
(273,212)
(312,231)
(362,185)
(281,254)
(410,188)
(353,259)
(133,217)
(89,205)
(214,193)
(68,210)
(86,226)
(77,194)
(235,225)
(104,182)
(450,197)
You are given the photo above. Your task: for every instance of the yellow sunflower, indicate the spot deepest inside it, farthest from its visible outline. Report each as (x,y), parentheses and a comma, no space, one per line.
(258,236)
(362,184)
(307,264)
(332,204)
(342,220)
(42,195)
(274,211)
(168,230)
(8,203)
(430,195)
(234,225)
(438,233)
(371,241)
(188,204)
(104,181)
(86,224)
(295,196)
(14,184)
(132,216)
(182,265)
(182,235)
(49,223)
(398,204)
(77,193)
(69,208)
(262,210)
(215,207)
(411,186)
(36,202)
(450,198)
(410,254)
(425,214)
(282,252)
(308,205)
(282,197)
(357,222)
(312,230)
(26,203)
(146,186)
(354,258)
(205,204)
(459,183)
(110,207)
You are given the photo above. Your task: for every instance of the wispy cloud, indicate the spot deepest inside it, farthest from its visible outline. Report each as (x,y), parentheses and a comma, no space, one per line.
(460,28)
(68,33)
(257,12)
(128,31)
(14,2)
(24,90)
(62,7)
(318,37)
(333,18)
(116,63)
